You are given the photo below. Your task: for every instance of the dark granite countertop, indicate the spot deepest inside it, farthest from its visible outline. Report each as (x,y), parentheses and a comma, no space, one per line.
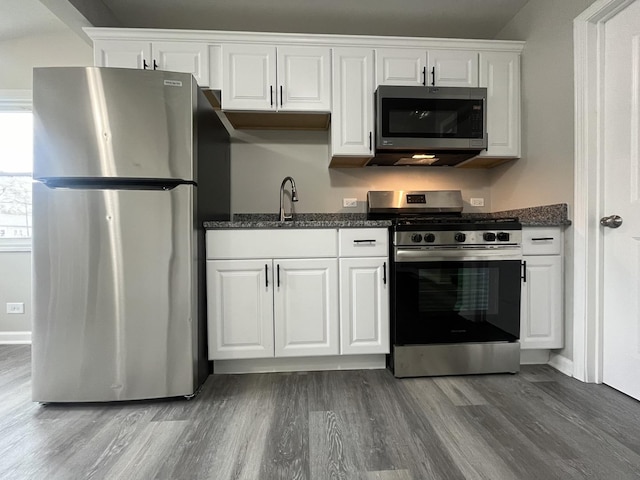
(548,215)
(543,216)
(301,220)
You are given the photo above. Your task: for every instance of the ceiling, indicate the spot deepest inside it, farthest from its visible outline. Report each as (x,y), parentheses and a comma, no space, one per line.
(481,19)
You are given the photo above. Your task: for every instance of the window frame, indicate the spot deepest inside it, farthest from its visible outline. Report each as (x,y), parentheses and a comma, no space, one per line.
(16,101)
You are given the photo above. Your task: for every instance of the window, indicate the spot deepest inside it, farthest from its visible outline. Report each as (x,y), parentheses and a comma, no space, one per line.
(16,159)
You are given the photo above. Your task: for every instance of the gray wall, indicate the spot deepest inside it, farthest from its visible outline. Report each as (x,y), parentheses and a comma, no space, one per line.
(261,159)
(17,59)
(544,174)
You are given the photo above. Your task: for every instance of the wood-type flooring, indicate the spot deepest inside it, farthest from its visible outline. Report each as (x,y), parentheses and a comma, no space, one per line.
(538,424)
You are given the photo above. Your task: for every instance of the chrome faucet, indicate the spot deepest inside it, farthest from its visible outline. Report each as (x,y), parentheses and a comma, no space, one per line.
(294,198)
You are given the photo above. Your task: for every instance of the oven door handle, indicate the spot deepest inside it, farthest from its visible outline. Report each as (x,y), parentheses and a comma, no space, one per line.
(419,254)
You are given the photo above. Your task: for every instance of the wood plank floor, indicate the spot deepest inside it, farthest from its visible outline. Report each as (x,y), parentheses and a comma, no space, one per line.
(538,424)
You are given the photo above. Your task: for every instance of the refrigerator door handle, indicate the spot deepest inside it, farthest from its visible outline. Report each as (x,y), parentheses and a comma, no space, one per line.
(83,183)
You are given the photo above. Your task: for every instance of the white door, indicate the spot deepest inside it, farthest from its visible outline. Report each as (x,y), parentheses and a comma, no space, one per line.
(304,79)
(240,309)
(621,320)
(306,307)
(452,68)
(364,305)
(500,74)
(541,307)
(122,54)
(249,77)
(185,57)
(352,112)
(400,66)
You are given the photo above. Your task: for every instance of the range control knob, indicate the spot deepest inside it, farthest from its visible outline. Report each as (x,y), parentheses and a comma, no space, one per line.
(460,237)
(489,236)
(429,238)
(416,238)
(503,237)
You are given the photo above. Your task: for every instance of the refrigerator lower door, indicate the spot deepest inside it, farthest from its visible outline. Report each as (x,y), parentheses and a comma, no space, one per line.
(115,304)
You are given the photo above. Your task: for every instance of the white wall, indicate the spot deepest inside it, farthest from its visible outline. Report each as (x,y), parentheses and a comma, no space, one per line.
(17,59)
(19,56)
(261,159)
(544,174)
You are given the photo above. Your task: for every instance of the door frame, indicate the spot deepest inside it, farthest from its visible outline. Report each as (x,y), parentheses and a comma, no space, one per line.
(589,167)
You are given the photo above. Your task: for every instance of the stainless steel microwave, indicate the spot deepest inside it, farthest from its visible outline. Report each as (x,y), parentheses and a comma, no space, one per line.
(418,125)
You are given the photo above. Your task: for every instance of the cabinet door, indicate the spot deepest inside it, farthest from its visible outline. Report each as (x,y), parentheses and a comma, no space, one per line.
(364,305)
(122,54)
(400,66)
(240,309)
(306,307)
(452,68)
(500,74)
(249,77)
(352,113)
(304,79)
(185,57)
(541,307)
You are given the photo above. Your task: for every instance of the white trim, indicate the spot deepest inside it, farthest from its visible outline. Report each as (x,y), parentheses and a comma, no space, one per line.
(15,100)
(562,364)
(218,37)
(15,338)
(534,356)
(588,193)
(300,364)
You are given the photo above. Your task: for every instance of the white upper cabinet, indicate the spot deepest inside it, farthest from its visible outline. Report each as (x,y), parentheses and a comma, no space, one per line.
(452,68)
(352,112)
(442,68)
(186,57)
(500,74)
(400,66)
(269,78)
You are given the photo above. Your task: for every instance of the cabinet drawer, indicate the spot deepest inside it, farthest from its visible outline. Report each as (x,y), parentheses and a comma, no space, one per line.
(270,243)
(363,242)
(541,241)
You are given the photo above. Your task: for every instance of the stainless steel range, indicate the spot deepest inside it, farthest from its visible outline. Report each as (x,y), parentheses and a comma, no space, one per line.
(455,285)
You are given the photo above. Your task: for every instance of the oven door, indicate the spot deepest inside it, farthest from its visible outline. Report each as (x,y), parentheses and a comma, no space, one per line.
(456,297)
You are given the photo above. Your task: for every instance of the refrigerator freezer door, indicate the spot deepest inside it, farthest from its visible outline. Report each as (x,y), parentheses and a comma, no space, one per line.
(113,122)
(115,311)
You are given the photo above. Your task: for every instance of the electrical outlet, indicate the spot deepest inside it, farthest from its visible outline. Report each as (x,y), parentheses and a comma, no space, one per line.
(349,202)
(15,307)
(477,202)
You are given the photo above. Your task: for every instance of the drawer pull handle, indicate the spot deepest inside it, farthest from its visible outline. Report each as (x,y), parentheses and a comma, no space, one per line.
(540,239)
(364,241)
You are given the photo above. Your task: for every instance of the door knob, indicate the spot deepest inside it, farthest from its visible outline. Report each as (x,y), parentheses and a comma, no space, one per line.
(612,221)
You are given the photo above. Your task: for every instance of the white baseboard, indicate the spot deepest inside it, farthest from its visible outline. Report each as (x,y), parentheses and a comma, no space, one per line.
(300,364)
(562,364)
(534,357)
(15,338)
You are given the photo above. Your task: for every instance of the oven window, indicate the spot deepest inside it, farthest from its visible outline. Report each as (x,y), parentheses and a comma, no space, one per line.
(455,302)
(431,118)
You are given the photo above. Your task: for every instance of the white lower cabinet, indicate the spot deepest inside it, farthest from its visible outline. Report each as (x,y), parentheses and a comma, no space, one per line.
(364,305)
(541,313)
(240,309)
(364,290)
(264,307)
(306,307)
(272,305)
(330,299)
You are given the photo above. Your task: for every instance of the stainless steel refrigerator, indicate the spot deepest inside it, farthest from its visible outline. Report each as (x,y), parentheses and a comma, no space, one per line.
(127,165)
